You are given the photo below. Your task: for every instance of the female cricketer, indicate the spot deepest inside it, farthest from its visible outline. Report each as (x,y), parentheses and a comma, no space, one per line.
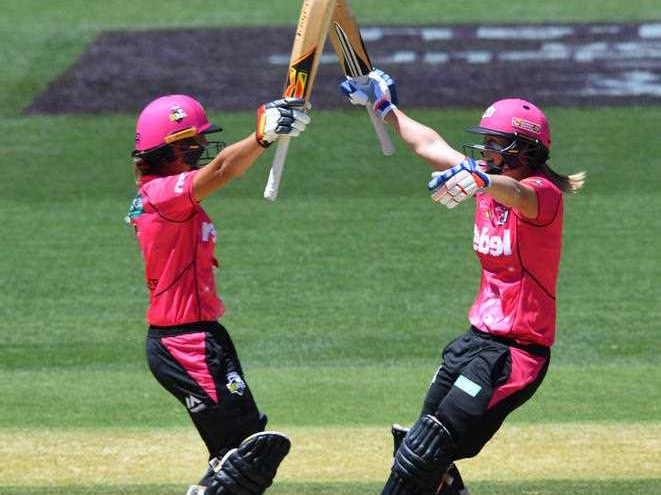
(501,360)
(189,352)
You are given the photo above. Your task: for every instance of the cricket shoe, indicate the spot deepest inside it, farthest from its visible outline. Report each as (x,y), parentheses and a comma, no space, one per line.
(196,490)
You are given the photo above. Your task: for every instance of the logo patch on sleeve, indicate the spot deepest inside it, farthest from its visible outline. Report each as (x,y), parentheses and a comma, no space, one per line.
(468,386)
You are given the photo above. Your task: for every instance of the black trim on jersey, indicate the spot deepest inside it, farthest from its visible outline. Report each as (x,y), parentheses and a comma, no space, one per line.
(529,221)
(191,199)
(159,293)
(534,279)
(187,219)
(524,268)
(197,289)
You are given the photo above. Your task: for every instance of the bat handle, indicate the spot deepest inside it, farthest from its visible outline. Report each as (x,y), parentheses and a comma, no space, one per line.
(381,132)
(273,184)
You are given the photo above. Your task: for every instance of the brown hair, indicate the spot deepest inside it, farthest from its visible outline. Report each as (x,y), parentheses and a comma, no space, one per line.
(566,183)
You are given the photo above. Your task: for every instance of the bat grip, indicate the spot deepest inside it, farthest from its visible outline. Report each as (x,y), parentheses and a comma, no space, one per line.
(273,184)
(381,132)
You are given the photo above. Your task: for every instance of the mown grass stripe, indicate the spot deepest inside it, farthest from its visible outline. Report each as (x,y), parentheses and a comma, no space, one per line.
(338,454)
(544,487)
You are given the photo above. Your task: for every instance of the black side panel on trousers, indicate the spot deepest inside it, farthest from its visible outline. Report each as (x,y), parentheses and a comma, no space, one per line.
(484,365)
(222,423)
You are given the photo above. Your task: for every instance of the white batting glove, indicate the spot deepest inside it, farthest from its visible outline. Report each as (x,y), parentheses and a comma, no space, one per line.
(457,184)
(378,91)
(280,117)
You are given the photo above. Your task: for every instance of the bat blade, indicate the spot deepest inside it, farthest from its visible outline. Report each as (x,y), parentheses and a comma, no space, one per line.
(311,32)
(352,64)
(355,61)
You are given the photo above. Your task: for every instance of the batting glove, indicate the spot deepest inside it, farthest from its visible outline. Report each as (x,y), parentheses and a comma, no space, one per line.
(280,117)
(457,184)
(378,90)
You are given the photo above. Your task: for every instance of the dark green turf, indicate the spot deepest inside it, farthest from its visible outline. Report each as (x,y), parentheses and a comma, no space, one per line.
(546,487)
(351,265)
(114,396)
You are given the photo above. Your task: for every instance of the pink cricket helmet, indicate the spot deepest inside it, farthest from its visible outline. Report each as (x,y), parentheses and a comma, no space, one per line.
(514,117)
(168,119)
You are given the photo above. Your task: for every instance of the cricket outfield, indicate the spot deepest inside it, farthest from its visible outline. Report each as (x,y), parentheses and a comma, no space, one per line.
(338,295)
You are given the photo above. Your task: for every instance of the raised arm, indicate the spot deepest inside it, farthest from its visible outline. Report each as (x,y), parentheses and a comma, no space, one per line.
(379,93)
(424,141)
(280,117)
(457,177)
(230,163)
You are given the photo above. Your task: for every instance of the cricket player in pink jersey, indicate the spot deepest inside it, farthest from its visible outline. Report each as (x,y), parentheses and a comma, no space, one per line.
(501,360)
(189,352)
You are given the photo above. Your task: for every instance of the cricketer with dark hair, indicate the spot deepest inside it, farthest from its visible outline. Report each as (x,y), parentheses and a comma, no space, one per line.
(189,352)
(499,363)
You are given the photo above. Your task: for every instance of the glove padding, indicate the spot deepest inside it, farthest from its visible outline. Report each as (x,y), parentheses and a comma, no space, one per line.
(378,90)
(280,117)
(457,184)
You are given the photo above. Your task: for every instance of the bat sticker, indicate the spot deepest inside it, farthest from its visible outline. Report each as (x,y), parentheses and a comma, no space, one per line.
(299,75)
(353,64)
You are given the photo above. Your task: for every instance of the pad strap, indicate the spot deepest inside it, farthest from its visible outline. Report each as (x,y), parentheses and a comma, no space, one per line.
(250,468)
(422,459)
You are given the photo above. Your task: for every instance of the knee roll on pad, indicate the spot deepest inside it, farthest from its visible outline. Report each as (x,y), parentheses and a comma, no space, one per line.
(424,455)
(250,468)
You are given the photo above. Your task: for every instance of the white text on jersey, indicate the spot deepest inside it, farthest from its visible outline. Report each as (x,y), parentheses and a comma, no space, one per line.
(492,244)
(179,186)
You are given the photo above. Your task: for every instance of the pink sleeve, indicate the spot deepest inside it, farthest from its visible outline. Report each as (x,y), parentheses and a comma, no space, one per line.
(172,196)
(549,198)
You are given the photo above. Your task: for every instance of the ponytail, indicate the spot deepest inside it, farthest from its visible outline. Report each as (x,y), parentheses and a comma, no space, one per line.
(566,183)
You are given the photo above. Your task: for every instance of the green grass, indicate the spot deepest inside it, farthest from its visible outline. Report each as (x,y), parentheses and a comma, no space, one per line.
(347,267)
(341,294)
(122,396)
(552,487)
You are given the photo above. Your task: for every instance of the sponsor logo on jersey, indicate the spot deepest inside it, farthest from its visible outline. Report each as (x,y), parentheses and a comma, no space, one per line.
(235,384)
(502,214)
(492,244)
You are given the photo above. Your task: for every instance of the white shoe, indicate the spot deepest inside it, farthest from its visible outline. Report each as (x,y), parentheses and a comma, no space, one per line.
(196,490)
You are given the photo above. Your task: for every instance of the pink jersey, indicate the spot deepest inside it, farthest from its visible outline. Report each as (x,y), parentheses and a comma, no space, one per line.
(520,259)
(177,240)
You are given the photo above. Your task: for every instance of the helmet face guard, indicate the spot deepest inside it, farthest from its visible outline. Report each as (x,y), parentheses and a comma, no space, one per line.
(196,152)
(516,152)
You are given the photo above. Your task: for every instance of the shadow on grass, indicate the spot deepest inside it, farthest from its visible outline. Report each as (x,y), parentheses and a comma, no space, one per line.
(542,487)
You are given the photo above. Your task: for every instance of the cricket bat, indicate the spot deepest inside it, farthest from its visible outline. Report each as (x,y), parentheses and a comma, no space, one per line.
(345,35)
(309,40)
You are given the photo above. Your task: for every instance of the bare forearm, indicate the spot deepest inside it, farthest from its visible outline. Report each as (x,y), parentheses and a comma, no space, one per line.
(424,141)
(230,163)
(514,194)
